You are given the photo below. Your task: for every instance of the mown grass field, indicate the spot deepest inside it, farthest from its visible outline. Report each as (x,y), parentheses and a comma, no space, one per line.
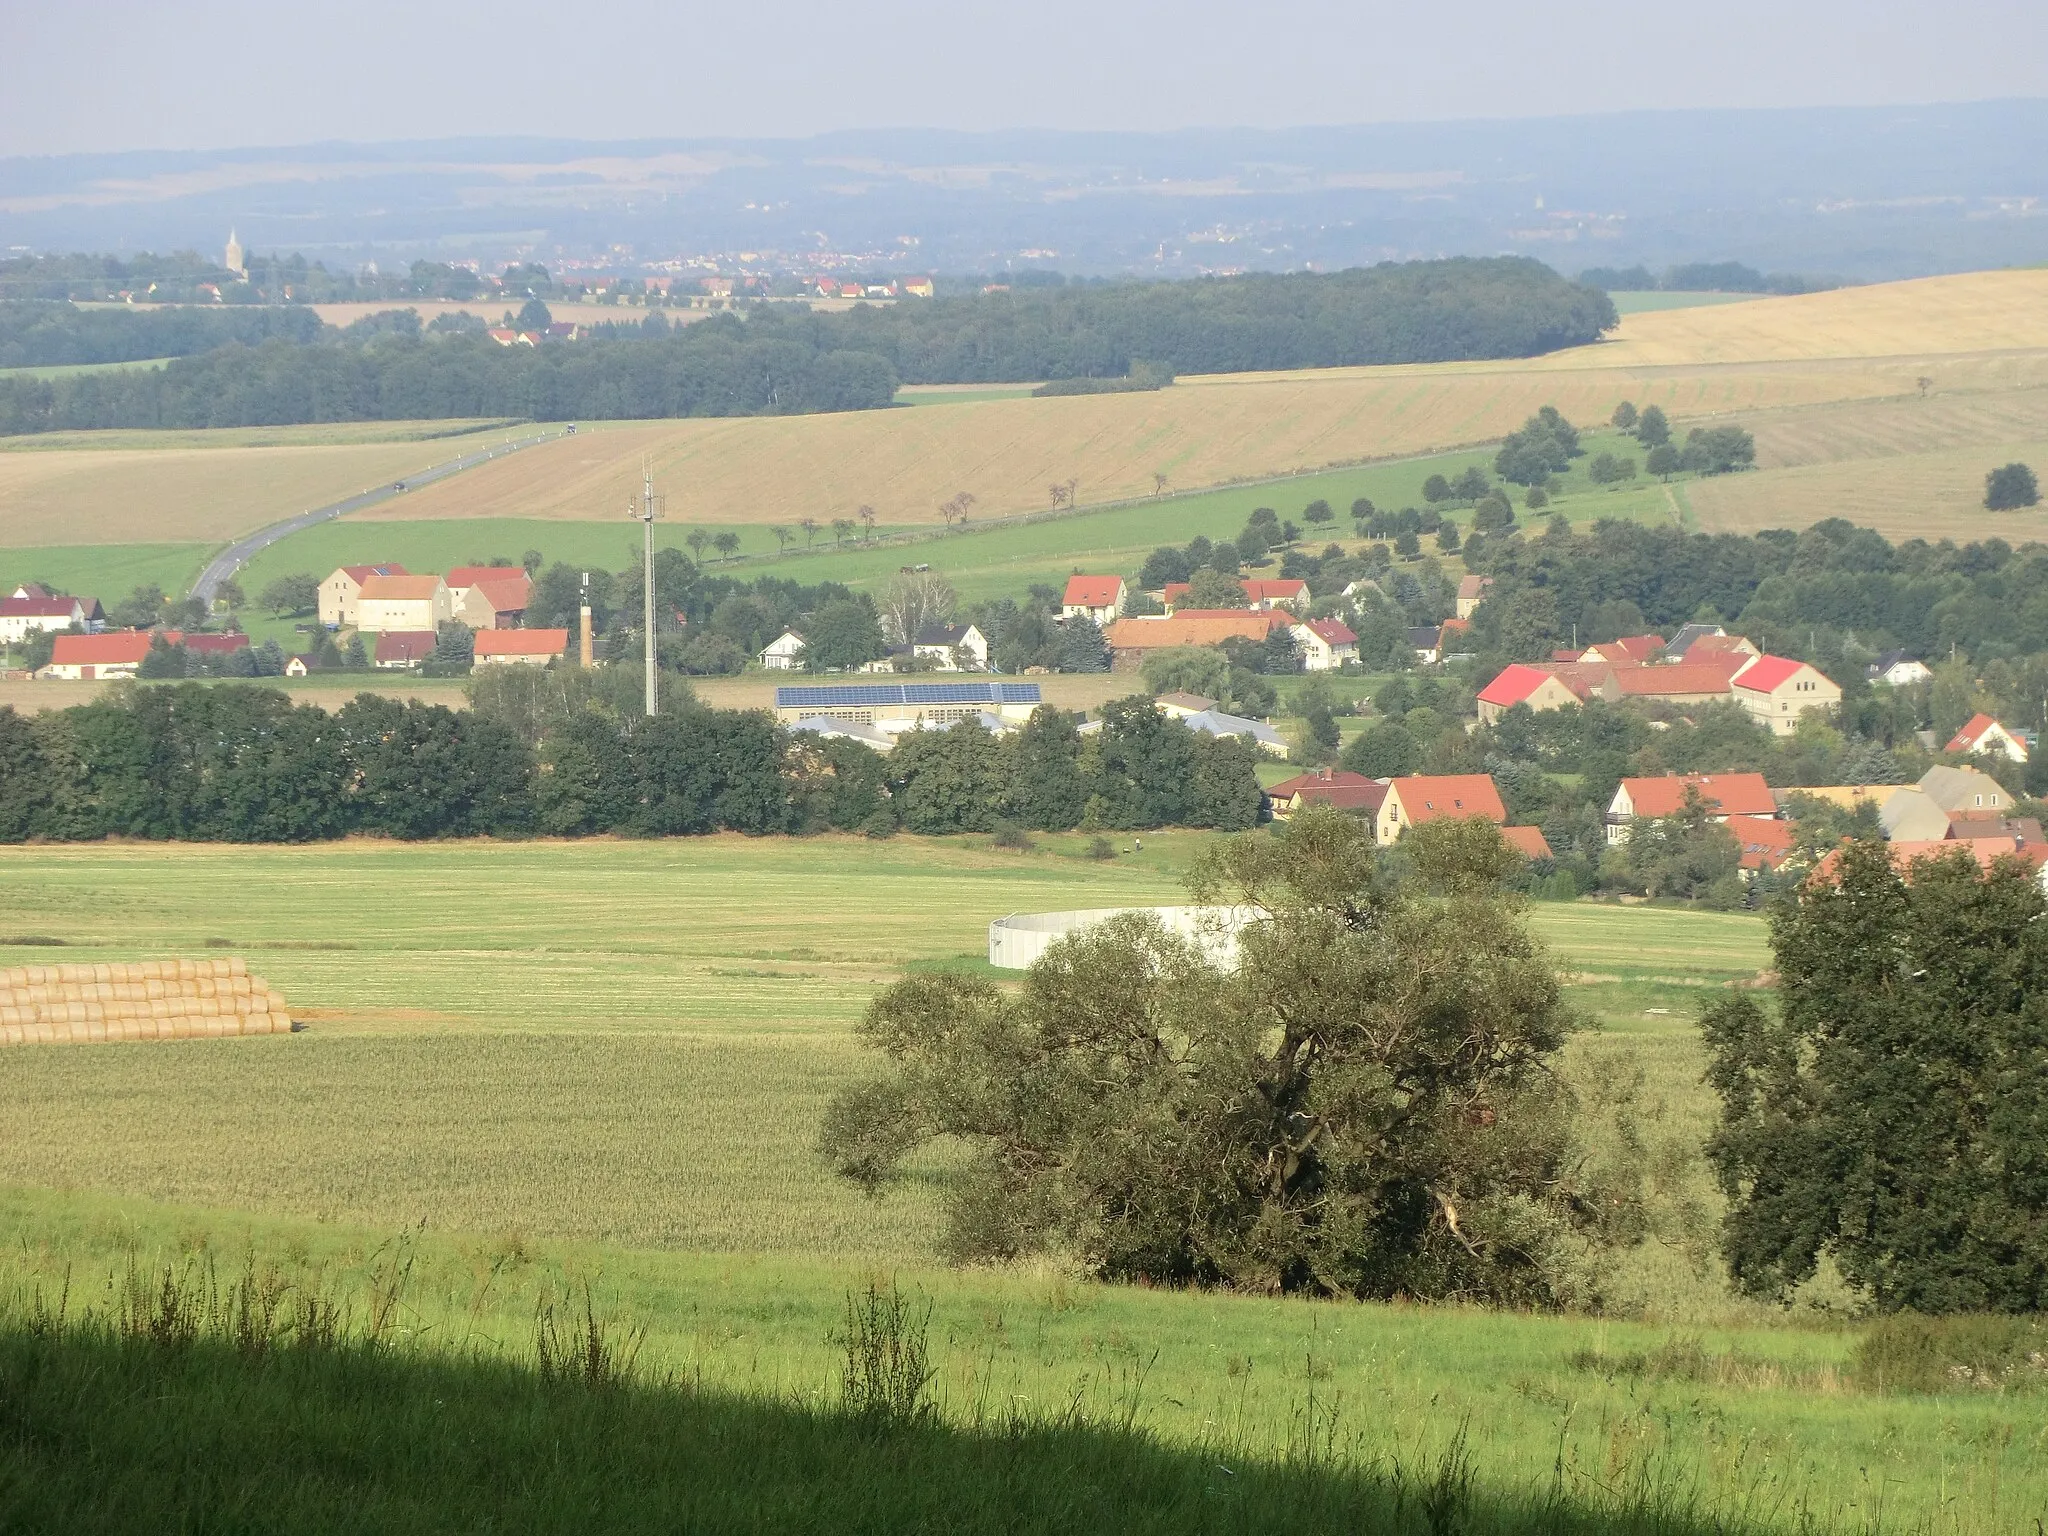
(66,370)
(603,1062)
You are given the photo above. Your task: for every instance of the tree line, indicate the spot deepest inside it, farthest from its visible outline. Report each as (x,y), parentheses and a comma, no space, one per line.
(566,753)
(47,335)
(786,359)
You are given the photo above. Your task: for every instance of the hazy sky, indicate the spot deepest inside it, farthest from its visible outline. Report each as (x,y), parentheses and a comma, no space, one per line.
(123,74)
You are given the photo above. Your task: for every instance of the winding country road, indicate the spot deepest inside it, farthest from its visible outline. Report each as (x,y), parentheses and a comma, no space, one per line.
(232,559)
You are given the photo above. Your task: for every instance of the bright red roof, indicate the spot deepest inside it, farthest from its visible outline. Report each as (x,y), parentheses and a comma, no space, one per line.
(1093,591)
(522,642)
(1514,686)
(1767,673)
(1425,797)
(100,650)
(1730,794)
(1967,739)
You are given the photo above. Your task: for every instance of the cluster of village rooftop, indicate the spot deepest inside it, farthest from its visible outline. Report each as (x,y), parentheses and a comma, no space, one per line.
(398,614)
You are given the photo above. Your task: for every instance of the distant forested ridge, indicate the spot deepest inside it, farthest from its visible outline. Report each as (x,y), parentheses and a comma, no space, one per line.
(1412,312)
(42,335)
(787,360)
(723,367)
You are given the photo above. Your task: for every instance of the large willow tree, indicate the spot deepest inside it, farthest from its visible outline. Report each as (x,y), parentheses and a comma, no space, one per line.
(1363,1106)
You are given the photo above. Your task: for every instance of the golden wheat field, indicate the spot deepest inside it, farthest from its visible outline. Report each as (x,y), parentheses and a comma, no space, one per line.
(180,494)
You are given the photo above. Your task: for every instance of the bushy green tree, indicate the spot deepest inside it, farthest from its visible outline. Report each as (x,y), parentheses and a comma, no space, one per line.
(2010,487)
(841,635)
(1364,1107)
(294,594)
(1653,430)
(1210,588)
(1891,1111)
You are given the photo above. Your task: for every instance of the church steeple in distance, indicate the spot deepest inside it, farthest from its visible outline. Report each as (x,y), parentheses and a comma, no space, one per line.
(233,256)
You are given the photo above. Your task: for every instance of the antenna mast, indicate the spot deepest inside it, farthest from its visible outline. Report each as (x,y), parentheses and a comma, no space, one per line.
(647,583)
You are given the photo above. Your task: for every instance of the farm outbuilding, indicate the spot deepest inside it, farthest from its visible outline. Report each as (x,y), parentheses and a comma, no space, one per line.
(152,1000)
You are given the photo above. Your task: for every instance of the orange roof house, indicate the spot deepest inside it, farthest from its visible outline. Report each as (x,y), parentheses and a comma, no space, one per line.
(1765,843)
(1327,786)
(1130,639)
(532,647)
(1630,650)
(1529,842)
(1427,797)
(84,657)
(1683,682)
(1100,598)
(1984,734)
(1724,794)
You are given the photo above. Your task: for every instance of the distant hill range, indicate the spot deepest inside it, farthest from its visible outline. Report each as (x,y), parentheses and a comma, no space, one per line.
(1857,193)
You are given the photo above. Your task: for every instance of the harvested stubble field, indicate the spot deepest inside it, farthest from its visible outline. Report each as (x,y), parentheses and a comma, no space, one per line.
(173,488)
(578,1063)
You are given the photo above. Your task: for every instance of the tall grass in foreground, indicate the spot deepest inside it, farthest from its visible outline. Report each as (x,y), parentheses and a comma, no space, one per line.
(182,1400)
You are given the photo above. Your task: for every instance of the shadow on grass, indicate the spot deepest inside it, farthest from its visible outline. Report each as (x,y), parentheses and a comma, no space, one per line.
(103,1432)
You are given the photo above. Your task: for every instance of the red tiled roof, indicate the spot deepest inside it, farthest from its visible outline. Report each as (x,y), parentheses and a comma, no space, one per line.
(217,645)
(1369,796)
(1190,626)
(1331,631)
(1582,677)
(1730,794)
(506,593)
(363,573)
(1425,797)
(399,589)
(522,642)
(470,575)
(1985,850)
(1970,735)
(1473,586)
(1514,685)
(1635,648)
(1092,591)
(100,650)
(1530,841)
(404,645)
(1765,841)
(1278,590)
(1338,777)
(1683,679)
(38,607)
(1767,673)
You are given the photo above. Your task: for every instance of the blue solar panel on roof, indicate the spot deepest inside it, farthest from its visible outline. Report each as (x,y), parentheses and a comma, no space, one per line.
(855,695)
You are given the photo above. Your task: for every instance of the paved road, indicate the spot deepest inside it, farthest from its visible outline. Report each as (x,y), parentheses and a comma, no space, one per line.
(236,555)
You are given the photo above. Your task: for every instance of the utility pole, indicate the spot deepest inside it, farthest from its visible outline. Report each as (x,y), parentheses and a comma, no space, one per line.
(587,651)
(647,527)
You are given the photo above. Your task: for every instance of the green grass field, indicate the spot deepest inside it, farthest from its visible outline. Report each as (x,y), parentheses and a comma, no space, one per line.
(604,1061)
(104,571)
(66,370)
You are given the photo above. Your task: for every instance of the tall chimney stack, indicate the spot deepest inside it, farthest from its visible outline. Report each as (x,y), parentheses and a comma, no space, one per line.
(586,650)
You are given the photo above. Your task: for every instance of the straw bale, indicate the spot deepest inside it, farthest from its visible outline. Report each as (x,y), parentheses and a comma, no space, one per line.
(237,966)
(102,972)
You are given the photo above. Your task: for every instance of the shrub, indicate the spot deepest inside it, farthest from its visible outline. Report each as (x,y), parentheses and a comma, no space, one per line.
(2009,488)
(1911,1353)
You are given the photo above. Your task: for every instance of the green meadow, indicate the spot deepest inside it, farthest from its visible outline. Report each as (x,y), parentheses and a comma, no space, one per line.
(532,1067)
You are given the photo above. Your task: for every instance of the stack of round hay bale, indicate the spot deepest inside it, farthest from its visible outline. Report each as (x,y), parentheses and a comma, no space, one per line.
(154,1000)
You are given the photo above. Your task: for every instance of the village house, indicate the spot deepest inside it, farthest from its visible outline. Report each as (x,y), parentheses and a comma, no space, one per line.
(1427,642)
(1629,651)
(1326,644)
(1765,841)
(1848,796)
(1258,594)
(1777,691)
(1896,669)
(1180,705)
(520,647)
(1352,792)
(1683,684)
(1539,688)
(1529,842)
(339,592)
(955,647)
(1986,736)
(1471,593)
(918,287)
(1214,722)
(298,665)
(1131,640)
(785,653)
(489,596)
(83,658)
(1100,598)
(22,615)
(1723,794)
(1964,789)
(1421,798)
(402,602)
(402,650)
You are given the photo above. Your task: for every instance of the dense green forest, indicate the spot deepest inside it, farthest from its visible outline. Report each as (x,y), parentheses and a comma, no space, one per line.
(46,335)
(568,754)
(779,360)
